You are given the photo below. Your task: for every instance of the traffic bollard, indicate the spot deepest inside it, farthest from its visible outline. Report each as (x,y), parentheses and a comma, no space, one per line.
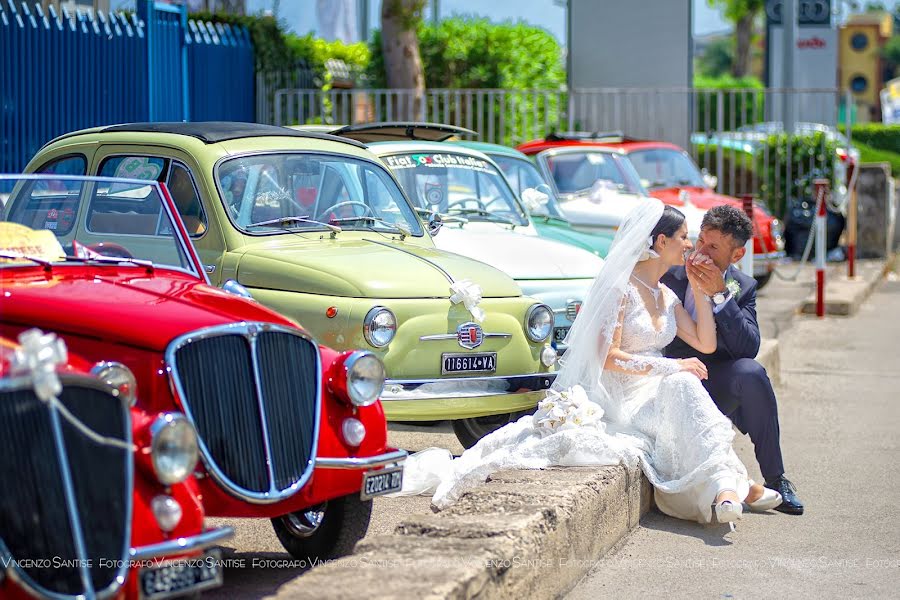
(821,187)
(747,261)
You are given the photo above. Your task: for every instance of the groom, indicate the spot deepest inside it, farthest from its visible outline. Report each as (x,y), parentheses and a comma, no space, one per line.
(737,383)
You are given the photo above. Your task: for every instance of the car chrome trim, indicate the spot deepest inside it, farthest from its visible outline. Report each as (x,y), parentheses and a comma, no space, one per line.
(465,387)
(414,255)
(180,545)
(365,462)
(367,323)
(21,578)
(249,330)
(531,310)
(455,336)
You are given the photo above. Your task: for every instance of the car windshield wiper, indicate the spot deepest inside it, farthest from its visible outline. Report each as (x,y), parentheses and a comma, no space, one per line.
(111,260)
(484,213)
(402,230)
(288,220)
(447,218)
(47,264)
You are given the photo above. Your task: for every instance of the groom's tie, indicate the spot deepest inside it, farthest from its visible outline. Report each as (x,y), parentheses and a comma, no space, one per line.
(689,302)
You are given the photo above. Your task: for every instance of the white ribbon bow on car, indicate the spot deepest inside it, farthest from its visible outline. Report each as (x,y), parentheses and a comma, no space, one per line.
(535,200)
(37,358)
(469,293)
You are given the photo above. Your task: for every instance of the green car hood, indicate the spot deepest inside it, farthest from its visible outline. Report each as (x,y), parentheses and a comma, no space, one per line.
(596,244)
(365,268)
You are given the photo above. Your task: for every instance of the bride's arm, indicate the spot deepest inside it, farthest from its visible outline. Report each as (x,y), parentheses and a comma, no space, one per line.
(699,334)
(633,364)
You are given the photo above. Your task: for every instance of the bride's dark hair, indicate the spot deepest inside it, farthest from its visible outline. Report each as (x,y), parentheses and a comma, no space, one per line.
(669,223)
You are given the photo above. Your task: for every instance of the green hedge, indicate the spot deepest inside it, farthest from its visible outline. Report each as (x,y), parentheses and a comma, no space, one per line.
(743,102)
(876,136)
(806,150)
(868,154)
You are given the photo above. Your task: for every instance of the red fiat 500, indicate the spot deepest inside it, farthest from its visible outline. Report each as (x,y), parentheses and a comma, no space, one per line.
(100,497)
(668,173)
(287,429)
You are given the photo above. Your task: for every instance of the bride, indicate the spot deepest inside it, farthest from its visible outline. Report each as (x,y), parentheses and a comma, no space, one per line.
(617,399)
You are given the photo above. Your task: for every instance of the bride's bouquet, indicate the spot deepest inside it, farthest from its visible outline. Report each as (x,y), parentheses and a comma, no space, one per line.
(568,409)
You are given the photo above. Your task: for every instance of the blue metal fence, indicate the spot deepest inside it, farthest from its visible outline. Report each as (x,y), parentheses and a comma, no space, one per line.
(62,72)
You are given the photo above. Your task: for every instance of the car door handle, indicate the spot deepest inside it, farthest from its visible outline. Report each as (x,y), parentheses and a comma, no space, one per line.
(209,268)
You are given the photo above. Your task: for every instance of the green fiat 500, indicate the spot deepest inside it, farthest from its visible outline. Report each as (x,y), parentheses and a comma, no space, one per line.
(317,228)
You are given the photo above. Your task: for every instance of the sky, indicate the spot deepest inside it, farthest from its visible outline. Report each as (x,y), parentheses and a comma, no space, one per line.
(301,14)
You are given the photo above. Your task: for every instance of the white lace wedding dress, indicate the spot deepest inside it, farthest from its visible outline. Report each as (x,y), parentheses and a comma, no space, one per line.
(664,421)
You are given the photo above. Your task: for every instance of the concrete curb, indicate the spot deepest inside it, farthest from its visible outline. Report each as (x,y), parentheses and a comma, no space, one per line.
(524,533)
(844,296)
(770,358)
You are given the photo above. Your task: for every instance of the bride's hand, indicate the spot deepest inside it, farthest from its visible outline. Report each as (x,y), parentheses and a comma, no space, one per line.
(694,366)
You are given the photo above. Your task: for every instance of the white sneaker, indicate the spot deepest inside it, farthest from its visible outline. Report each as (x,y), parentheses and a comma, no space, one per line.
(769,500)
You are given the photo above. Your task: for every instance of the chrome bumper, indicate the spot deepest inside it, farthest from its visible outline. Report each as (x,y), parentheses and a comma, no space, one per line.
(465,387)
(365,462)
(181,545)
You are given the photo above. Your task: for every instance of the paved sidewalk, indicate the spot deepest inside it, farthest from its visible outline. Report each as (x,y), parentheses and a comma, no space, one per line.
(839,415)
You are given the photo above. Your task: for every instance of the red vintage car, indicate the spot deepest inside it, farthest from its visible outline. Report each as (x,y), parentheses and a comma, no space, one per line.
(287,429)
(100,497)
(669,173)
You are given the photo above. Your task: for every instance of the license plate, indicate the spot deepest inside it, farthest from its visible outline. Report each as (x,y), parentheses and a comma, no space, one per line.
(485,362)
(378,483)
(559,334)
(182,576)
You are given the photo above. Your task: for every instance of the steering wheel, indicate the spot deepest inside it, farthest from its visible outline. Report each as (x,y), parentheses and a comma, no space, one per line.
(465,201)
(111,249)
(496,200)
(345,203)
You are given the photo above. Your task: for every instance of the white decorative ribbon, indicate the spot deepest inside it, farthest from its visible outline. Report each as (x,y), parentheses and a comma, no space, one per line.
(37,358)
(649,252)
(568,409)
(535,200)
(469,293)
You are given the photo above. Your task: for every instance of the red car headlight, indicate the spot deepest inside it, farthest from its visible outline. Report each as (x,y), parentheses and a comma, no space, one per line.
(358,377)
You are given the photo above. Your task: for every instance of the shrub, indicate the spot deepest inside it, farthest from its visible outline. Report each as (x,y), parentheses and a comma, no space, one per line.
(811,157)
(876,135)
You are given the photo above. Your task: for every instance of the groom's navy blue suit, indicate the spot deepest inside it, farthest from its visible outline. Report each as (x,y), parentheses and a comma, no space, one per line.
(737,383)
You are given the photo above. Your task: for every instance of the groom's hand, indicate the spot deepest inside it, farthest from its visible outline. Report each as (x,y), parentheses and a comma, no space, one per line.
(701,269)
(694,366)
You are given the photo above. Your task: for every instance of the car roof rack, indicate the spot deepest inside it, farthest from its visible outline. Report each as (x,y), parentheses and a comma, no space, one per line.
(564,136)
(212,132)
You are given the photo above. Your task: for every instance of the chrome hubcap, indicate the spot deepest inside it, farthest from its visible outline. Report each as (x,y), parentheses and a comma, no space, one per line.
(305,523)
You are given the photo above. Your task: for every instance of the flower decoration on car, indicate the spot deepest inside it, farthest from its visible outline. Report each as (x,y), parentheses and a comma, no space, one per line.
(37,358)
(469,293)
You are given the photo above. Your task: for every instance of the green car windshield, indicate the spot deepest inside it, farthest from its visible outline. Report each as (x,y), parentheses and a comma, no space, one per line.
(266,193)
(523,175)
(457,184)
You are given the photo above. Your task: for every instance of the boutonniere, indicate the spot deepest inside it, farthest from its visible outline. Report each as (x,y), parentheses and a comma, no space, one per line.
(734,287)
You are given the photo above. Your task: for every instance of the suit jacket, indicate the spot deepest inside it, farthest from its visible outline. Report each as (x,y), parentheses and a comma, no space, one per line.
(736,327)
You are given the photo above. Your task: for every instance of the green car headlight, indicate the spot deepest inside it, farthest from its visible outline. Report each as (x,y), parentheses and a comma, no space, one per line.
(539,322)
(379,327)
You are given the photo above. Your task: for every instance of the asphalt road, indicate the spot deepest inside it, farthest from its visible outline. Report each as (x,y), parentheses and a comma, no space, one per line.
(839,411)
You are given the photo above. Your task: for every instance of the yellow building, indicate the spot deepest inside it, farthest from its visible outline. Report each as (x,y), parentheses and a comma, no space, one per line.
(860,65)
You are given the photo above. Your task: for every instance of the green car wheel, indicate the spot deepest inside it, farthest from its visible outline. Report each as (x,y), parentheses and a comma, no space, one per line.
(469,431)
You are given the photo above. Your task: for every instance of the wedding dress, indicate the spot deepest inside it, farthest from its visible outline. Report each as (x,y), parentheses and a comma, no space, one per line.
(663,421)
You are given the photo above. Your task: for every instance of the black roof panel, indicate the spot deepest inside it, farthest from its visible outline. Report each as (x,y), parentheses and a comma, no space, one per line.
(212,132)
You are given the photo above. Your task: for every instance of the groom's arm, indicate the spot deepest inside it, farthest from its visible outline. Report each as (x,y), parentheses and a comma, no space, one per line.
(737,327)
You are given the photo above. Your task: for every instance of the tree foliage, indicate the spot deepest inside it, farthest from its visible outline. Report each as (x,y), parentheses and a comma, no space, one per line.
(476,53)
(718,58)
